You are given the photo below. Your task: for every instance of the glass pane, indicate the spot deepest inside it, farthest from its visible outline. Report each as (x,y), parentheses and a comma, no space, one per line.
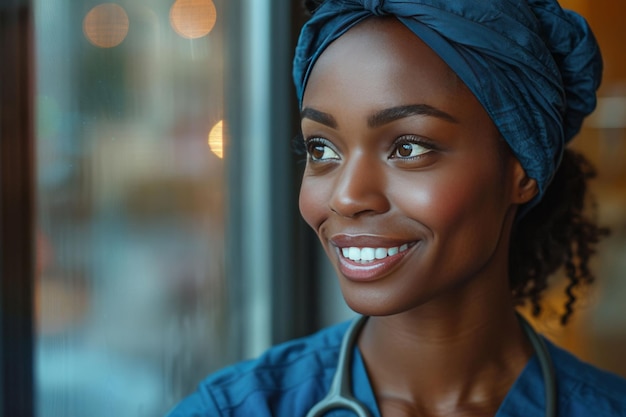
(131,297)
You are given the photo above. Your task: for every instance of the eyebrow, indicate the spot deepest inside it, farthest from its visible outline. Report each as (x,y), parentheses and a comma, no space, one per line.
(394,113)
(319,116)
(382,117)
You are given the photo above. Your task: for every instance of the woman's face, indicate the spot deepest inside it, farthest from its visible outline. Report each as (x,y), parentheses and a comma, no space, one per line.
(407,183)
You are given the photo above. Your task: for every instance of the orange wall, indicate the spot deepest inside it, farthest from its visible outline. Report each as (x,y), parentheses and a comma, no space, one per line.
(598,332)
(608,20)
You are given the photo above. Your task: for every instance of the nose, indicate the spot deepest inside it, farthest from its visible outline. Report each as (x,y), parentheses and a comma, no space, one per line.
(360,188)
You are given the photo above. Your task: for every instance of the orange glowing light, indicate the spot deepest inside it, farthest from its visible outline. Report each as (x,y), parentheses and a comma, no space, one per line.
(193,19)
(106,25)
(216,139)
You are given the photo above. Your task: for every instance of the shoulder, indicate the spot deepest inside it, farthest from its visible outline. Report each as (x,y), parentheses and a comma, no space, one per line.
(287,377)
(586,390)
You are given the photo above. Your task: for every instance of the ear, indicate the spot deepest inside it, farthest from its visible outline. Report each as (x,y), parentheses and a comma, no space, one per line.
(524,187)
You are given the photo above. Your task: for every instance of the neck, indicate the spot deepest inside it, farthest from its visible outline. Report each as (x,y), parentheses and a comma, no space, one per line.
(449,356)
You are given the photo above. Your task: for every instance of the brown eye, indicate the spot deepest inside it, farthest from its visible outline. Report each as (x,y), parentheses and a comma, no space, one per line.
(319,151)
(407,149)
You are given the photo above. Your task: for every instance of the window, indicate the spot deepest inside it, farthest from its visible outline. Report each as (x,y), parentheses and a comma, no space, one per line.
(165,216)
(131,297)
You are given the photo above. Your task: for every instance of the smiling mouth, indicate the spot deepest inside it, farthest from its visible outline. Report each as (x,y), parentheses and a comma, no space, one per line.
(364,263)
(366,255)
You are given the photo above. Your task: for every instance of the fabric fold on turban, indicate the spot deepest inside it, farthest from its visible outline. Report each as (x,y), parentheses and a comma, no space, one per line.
(534,66)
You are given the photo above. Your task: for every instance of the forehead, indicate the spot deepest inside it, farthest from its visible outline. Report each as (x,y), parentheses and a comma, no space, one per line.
(380,57)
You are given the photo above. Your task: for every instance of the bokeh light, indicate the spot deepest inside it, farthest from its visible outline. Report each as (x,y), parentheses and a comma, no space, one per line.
(216,139)
(193,18)
(106,25)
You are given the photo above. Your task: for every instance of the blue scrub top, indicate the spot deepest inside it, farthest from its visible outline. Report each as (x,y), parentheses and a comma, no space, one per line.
(290,378)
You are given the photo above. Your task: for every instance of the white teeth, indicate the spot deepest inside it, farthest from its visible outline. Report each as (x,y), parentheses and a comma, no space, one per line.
(354,254)
(369,254)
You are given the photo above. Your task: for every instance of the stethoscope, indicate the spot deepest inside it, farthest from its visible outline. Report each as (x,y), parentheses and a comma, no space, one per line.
(340,396)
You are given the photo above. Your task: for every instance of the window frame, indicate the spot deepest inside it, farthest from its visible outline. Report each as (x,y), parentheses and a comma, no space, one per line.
(289,266)
(17,237)
(270,246)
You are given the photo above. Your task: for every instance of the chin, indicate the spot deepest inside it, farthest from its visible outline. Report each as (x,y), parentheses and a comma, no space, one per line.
(368,305)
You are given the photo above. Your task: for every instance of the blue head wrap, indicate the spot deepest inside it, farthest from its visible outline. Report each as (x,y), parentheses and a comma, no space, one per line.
(533,66)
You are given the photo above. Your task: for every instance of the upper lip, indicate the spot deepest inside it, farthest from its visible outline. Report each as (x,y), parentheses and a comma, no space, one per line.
(367,241)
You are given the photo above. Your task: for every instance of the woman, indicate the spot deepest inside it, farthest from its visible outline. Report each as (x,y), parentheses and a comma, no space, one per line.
(438,185)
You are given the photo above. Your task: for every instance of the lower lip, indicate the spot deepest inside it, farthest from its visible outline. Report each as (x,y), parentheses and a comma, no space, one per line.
(371,271)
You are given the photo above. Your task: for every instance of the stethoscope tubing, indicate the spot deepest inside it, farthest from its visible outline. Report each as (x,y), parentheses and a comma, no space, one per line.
(546,364)
(340,395)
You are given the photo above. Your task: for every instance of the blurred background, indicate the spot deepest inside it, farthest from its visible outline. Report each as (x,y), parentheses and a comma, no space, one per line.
(166,240)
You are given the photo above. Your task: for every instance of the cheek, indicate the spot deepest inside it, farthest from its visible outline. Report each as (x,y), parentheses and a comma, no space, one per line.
(311,204)
(449,201)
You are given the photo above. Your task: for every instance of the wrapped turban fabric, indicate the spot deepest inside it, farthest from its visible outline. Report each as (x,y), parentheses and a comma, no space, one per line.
(534,66)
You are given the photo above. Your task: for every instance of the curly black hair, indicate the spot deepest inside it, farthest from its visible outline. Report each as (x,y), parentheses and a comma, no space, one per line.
(559,232)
